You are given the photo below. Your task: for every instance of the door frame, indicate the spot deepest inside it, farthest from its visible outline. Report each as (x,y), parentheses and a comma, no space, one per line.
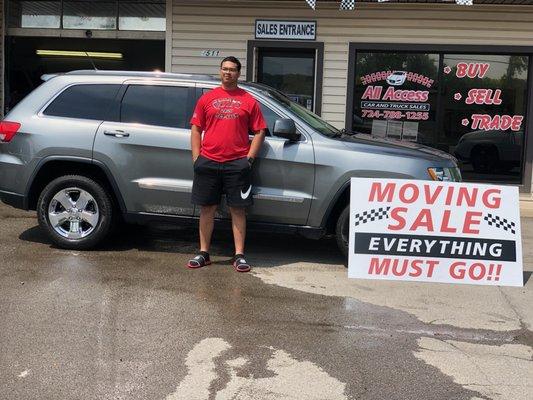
(252,62)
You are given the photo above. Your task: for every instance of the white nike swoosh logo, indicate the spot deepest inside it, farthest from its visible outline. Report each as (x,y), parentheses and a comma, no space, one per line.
(247,193)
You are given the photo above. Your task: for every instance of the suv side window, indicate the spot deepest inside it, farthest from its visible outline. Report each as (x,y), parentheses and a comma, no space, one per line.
(156,105)
(270,118)
(84,101)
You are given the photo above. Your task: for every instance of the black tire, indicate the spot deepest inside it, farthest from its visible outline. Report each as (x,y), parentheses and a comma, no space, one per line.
(342,229)
(104,206)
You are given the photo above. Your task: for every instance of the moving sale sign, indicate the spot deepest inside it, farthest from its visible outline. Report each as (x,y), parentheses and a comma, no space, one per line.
(429,231)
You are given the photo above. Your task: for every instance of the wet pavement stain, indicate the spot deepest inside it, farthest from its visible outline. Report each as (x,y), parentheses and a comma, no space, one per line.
(120,322)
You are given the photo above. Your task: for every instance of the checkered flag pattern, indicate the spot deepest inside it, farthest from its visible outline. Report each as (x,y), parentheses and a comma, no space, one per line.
(464,2)
(311,3)
(498,222)
(372,215)
(347,5)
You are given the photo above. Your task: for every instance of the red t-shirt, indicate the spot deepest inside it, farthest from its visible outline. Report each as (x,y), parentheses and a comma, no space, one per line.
(226,117)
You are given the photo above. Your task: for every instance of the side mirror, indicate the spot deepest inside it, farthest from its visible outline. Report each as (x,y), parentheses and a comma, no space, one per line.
(285,128)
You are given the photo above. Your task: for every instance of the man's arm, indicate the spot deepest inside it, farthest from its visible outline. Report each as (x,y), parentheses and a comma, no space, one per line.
(196,140)
(257,141)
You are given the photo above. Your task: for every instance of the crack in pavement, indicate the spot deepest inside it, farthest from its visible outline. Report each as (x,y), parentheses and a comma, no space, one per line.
(484,368)
(524,335)
(487,337)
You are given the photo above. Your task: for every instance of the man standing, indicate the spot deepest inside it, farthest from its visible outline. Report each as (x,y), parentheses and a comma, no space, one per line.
(223,158)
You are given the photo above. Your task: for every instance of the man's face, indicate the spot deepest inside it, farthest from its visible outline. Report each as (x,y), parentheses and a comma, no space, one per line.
(229,73)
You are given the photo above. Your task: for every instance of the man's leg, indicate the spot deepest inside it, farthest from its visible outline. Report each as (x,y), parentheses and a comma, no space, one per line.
(238,189)
(238,224)
(207,221)
(206,189)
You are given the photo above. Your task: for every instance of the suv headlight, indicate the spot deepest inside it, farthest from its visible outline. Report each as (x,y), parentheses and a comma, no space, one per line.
(444,174)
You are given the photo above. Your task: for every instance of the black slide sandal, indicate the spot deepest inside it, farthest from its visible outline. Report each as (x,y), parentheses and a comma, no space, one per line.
(199,261)
(240,264)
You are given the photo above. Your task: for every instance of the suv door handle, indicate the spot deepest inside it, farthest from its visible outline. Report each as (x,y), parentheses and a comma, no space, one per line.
(117,133)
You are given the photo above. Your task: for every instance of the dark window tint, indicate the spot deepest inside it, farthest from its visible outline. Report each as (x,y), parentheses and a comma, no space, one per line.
(84,101)
(290,71)
(157,105)
(396,96)
(483,114)
(270,118)
(473,107)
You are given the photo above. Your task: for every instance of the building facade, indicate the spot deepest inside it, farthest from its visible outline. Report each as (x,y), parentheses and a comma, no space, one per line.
(456,78)
(402,70)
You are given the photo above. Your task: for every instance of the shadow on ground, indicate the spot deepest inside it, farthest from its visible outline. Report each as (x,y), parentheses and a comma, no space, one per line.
(274,248)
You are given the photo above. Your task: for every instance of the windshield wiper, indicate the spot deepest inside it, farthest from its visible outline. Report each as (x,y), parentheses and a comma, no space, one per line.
(343,132)
(349,133)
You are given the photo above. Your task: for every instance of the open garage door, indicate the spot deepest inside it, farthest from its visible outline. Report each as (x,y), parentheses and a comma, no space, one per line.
(28,58)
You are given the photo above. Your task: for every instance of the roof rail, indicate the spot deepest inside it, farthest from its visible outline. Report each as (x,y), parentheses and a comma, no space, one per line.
(144,74)
(47,77)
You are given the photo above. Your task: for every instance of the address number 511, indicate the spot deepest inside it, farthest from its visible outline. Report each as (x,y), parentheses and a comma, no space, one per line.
(210,53)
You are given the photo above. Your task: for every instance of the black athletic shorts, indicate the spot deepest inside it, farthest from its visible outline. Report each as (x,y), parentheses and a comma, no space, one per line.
(212,179)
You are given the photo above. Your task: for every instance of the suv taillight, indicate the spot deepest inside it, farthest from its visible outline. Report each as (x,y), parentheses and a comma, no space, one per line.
(8,130)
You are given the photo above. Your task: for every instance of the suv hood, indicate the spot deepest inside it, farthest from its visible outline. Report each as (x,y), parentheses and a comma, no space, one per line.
(405,148)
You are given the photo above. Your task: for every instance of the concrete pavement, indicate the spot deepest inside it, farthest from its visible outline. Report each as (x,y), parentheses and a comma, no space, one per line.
(127,321)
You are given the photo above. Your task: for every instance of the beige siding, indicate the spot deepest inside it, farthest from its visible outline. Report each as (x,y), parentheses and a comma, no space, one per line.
(227,26)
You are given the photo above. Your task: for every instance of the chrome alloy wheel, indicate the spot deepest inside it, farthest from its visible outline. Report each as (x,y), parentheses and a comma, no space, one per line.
(73,213)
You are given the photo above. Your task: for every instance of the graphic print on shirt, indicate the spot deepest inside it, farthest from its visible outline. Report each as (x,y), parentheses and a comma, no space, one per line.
(227,108)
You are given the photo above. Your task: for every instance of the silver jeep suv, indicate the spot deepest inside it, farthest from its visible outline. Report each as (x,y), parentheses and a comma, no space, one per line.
(88,147)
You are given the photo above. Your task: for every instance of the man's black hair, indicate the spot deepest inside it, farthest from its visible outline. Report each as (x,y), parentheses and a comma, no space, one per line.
(232,59)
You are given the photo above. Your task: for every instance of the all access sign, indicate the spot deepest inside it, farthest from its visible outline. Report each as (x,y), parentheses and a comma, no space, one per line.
(428,231)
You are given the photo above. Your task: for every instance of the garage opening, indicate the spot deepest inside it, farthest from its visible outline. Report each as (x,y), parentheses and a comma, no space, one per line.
(28,58)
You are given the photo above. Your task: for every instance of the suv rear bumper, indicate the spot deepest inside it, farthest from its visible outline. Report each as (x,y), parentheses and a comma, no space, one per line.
(14,199)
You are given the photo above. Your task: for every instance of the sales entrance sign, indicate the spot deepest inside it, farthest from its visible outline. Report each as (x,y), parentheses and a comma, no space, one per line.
(285,30)
(427,231)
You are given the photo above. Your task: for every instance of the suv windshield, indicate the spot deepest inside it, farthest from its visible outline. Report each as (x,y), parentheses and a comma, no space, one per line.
(310,118)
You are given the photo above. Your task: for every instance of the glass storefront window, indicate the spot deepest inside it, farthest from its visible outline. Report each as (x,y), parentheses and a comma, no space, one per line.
(291,72)
(396,96)
(35,14)
(142,16)
(89,15)
(473,108)
(135,15)
(484,105)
